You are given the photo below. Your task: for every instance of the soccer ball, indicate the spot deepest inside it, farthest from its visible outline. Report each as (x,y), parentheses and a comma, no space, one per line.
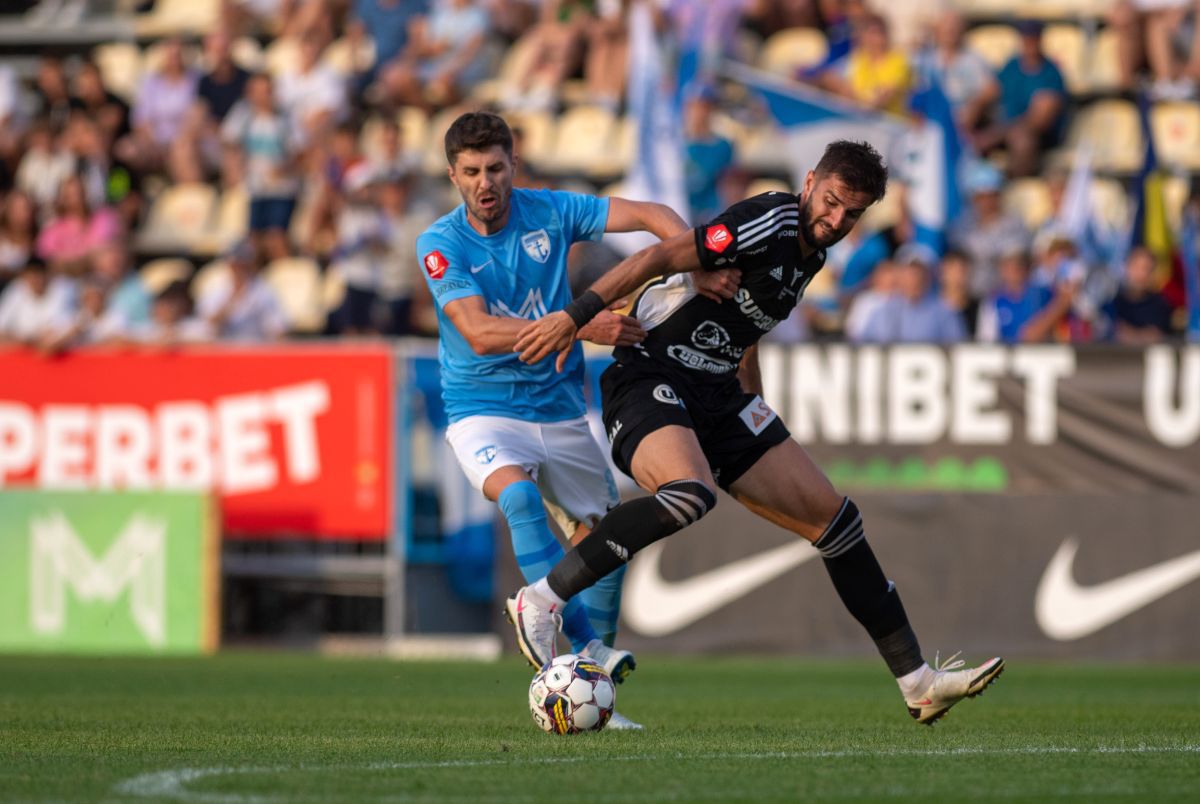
(571,694)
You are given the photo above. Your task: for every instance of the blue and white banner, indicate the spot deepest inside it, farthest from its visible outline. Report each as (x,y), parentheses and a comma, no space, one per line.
(932,155)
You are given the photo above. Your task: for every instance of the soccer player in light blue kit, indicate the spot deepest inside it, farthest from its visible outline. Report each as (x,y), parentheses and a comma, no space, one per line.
(519,431)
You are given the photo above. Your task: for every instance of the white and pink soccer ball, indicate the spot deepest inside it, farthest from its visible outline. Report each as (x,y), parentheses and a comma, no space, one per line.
(571,694)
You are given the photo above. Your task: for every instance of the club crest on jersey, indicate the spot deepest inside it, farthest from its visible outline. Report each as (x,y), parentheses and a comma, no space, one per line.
(710,335)
(717,238)
(537,245)
(485,455)
(435,264)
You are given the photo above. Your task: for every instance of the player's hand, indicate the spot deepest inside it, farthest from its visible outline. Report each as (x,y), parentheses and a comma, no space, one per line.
(717,285)
(612,329)
(554,332)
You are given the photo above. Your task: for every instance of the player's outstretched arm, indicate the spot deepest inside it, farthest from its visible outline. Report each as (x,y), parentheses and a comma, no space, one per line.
(556,332)
(643,216)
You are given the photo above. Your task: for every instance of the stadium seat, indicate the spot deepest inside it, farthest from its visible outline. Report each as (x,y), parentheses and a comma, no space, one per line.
(793,49)
(760,186)
(586,138)
(1176,129)
(343,58)
(414,128)
(120,66)
(179,217)
(178,17)
(494,89)
(282,56)
(435,150)
(1104,73)
(231,221)
(1113,129)
(157,274)
(248,54)
(761,148)
(297,282)
(995,43)
(210,276)
(538,130)
(333,291)
(1066,45)
(1030,199)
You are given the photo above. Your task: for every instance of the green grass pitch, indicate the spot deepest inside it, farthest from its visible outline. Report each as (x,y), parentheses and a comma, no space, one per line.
(256,728)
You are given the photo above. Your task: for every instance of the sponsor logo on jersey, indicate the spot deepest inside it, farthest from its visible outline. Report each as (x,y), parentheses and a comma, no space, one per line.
(442,288)
(532,308)
(666,394)
(485,455)
(616,428)
(694,360)
(477,268)
(536,245)
(717,238)
(757,415)
(710,335)
(751,310)
(435,264)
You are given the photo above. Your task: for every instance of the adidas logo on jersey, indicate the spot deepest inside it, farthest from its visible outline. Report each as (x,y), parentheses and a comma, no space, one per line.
(532,308)
(777,273)
(621,552)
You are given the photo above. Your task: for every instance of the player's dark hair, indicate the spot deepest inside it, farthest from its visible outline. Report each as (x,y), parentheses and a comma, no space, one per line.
(477,131)
(857,164)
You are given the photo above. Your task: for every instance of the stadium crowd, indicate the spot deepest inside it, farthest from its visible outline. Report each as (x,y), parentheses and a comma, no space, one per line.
(290,150)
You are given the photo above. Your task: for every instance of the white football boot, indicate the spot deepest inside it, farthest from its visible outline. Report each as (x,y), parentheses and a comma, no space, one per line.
(622,723)
(617,663)
(537,627)
(950,685)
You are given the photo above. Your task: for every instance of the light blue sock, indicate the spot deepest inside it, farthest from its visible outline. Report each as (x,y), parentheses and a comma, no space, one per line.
(537,551)
(602,602)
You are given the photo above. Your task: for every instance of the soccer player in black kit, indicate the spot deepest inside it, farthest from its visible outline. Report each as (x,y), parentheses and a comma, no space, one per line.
(684,413)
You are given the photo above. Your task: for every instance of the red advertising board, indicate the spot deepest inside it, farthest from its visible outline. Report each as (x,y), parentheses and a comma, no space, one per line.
(295,439)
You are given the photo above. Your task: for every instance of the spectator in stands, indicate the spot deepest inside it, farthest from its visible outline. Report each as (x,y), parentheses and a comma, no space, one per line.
(984,230)
(96,103)
(445,55)
(883,285)
(93,322)
(1156,33)
(313,96)
(406,298)
(92,164)
(968,81)
(1140,314)
(113,265)
(160,112)
(45,165)
(244,307)
(18,234)
(12,116)
(913,314)
(707,154)
(52,92)
(265,139)
(607,56)
(1032,114)
(525,174)
(361,248)
(389,158)
(511,18)
(67,241)
(1021,310)
(30,303)
(955,289)
(171,322)
(387,24)
(549,53)
(875,74)
(224,83)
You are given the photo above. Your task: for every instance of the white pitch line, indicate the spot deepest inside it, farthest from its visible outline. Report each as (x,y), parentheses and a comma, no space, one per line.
(172,784)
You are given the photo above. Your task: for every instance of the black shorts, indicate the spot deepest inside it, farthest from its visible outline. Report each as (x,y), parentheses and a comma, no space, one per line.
(734,428)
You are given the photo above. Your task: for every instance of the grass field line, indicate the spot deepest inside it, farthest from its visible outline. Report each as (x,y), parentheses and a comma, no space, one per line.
(173,784)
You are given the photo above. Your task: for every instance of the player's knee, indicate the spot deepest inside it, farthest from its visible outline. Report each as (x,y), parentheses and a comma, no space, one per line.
(521,503)
(686,501)
(844,531)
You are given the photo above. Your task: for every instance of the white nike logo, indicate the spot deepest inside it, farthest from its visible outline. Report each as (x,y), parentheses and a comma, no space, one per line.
(655,606)
(1065,610)
(477,268)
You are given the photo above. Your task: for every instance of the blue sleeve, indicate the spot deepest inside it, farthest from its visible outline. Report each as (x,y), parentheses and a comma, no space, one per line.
(584,216)
(445,269)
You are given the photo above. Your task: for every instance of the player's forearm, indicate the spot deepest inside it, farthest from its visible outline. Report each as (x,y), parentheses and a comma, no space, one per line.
(662,221)
(631,273)
(494,335)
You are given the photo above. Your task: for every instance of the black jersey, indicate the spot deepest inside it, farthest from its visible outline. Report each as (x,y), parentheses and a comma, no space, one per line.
(703,339)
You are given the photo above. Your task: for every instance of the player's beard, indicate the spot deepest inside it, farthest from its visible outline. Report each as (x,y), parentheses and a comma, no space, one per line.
(808,228)
(497,211)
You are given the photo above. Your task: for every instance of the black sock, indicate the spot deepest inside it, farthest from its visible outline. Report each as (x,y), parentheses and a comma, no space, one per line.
(866,592)
(626,529)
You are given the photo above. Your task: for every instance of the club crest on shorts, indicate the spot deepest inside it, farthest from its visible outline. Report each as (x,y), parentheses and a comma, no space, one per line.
(757,415)
(536,245)
(666,394)
(485,455)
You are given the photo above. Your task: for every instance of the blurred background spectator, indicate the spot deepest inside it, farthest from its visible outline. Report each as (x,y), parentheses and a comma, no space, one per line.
(239,305)
(911,313)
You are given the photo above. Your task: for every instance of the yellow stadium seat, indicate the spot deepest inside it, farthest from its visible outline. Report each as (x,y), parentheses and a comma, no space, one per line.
(414,128)
(178,17)
(1066,45)
(346,60)
(1104,66)
(1176,129)
(1114,132)
(248,54)
(585,135)
(120,66)
(494,89)
(793,49)
(179,217)
(333,291)
(157,274)
(435,145)
(282,56)
(995,43)
(210,276)
(231,222)
(298,285)
(1030,199)
(537,130)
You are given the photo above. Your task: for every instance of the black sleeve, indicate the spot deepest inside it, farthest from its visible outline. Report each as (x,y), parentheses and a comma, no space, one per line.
(745,226)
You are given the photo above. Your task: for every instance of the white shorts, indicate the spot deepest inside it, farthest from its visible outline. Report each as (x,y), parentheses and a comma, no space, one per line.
(562,458)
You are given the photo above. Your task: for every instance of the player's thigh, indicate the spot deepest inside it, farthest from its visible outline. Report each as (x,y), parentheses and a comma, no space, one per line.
(494,451)
(670,453)
(575,480)
(787,488)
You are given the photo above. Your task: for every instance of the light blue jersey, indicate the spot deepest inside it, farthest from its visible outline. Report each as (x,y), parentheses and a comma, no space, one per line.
(521,272)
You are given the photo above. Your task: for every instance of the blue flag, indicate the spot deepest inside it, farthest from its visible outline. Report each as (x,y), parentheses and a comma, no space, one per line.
(933,154)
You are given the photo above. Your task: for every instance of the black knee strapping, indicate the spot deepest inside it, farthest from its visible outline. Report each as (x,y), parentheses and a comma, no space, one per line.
(686,500)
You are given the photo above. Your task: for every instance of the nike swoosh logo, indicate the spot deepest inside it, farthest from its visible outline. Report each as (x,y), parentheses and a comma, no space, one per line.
(1065,610)
(477,268)
(655,606)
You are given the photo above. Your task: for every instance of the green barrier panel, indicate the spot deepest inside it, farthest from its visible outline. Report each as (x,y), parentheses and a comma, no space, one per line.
(107,572)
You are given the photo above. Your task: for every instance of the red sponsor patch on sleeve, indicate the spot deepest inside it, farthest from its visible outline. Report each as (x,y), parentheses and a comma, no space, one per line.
(717,238)
(435,264)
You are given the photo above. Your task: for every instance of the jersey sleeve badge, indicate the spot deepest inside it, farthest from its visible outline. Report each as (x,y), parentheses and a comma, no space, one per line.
(717,238)
(435,264)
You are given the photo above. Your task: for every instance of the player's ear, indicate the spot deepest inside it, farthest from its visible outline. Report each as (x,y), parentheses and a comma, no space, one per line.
(810,179)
